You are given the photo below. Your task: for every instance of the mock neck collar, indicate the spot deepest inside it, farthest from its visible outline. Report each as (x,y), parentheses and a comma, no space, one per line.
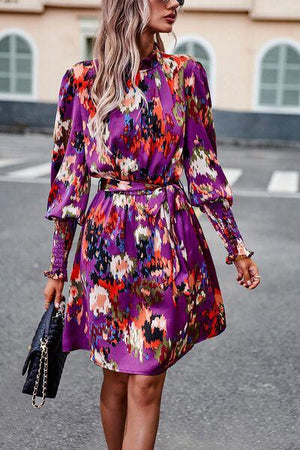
(152,59)
(148,62)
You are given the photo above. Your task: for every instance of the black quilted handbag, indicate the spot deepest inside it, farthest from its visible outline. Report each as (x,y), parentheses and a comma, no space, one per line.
(46,356)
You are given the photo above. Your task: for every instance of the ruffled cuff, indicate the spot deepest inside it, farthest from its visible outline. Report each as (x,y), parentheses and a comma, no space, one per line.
(238,250)
(64,230)
(56,274)
(221,216)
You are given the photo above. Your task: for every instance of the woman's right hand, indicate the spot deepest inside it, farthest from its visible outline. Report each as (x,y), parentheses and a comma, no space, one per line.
(247,273)
(53,292)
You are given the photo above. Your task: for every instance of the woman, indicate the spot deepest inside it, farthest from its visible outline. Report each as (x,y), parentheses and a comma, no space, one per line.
(143,287)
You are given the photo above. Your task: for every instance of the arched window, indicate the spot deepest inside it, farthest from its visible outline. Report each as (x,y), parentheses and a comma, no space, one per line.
(194,48)
(279,77)
(16,65)
(88,34)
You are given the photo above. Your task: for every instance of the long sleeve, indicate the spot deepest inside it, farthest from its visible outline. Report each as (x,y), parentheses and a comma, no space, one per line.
(63,235)
(224,223)
(207,184)
(70,179)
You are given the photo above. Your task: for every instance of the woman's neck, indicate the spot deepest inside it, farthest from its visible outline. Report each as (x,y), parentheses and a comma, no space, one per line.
(146,44)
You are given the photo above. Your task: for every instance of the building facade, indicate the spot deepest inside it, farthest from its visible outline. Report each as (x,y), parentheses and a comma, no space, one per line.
(250,49)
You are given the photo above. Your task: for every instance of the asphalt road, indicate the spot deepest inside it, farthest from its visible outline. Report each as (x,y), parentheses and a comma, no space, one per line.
(237,391)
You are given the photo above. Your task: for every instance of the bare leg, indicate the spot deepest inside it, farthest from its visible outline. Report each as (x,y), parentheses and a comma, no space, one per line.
(113,407)
(144,398)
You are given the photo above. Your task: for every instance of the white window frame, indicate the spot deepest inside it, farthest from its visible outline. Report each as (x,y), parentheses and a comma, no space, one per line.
(88,29)
(256,85)
(23,97)
(211,54)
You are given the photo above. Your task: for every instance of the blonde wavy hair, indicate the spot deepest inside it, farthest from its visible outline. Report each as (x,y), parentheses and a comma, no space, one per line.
(116,48)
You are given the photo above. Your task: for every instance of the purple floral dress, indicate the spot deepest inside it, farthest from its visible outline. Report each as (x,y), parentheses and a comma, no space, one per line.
(143,287)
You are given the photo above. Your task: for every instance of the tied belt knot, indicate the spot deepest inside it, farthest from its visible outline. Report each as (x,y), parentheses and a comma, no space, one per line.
(165,199)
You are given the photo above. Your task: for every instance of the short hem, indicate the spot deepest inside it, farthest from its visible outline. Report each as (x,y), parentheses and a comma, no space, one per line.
(127,371)
(170,365)
(71,349)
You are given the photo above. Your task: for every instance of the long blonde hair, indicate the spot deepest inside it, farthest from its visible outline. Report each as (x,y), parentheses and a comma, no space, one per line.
(116,49)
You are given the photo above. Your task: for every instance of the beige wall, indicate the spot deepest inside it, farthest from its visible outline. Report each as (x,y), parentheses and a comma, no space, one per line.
(277,9)
(234,36)
(257,8)
(56,34)
(236,42)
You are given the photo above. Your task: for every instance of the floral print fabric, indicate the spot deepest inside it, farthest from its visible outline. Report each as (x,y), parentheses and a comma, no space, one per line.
(143,287)
(63,235)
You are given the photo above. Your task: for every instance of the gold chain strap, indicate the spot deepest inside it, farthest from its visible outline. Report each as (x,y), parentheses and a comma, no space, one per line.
(44,355)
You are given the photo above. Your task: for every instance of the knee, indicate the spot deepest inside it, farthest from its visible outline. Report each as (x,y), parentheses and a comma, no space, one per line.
(145,390)
(116,382)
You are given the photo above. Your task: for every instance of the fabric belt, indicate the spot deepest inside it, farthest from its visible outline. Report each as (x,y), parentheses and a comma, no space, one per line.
(172,194)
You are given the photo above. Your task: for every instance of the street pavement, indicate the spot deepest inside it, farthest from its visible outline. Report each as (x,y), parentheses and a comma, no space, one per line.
(237,391)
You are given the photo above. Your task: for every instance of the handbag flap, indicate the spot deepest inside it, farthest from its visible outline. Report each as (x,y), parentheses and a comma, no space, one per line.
(27,360)
(41,331)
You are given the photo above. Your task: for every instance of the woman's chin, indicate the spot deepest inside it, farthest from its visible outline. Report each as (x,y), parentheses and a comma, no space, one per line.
(165,28)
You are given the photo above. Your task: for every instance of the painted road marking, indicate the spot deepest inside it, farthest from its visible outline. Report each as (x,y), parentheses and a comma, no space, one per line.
(232,175)
(284,181)
(32,171)
(19,179)
(5,162)
(236,192)
(283,184)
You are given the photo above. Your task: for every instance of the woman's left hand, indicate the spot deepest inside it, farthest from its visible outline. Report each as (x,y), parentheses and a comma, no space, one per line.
(247,272)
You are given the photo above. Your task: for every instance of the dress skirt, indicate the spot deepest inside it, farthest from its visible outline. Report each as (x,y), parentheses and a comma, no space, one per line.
(143,288)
